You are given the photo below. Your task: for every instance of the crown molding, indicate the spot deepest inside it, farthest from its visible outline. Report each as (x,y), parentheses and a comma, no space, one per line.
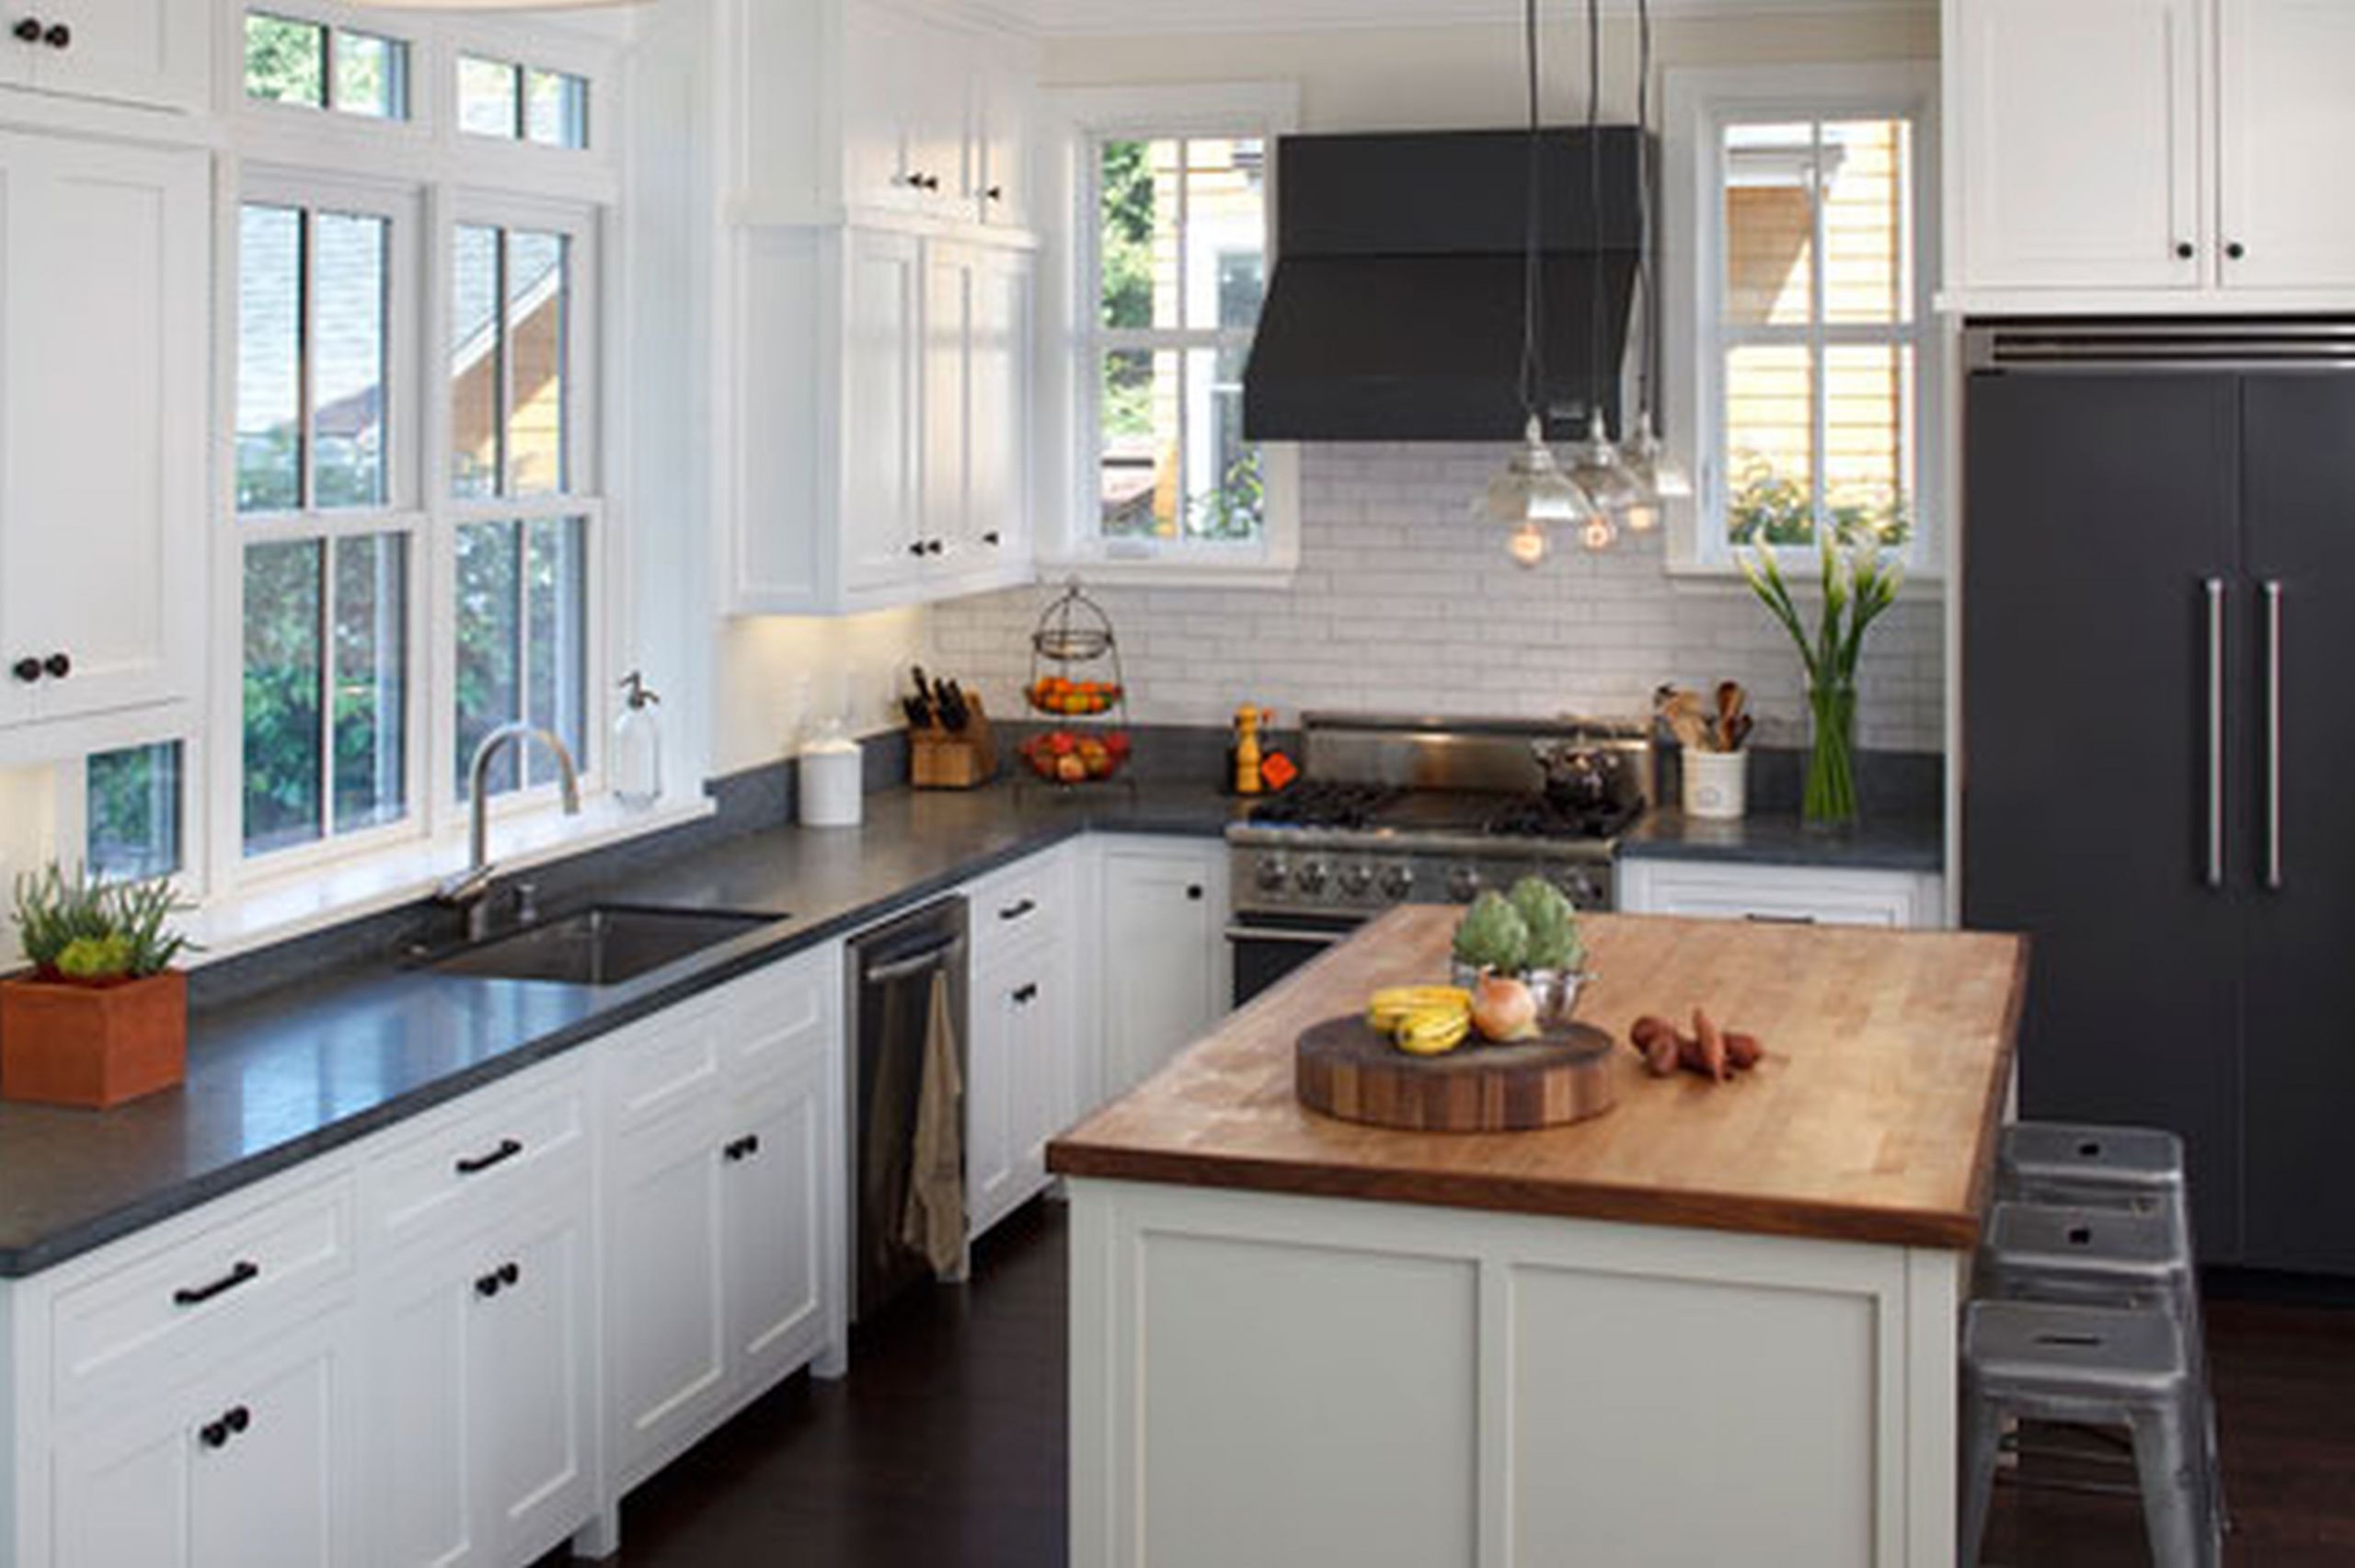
(1114,19)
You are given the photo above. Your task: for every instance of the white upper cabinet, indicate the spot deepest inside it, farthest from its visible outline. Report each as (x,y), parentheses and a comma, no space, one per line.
(916,116)
(2286,139)
(2163,154)
(104,296)
(147,52)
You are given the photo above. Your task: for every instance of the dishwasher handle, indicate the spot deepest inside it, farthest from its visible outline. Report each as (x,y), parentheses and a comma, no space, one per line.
(940,955)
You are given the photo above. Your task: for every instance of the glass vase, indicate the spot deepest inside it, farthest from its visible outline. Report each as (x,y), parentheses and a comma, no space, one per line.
(1831,797)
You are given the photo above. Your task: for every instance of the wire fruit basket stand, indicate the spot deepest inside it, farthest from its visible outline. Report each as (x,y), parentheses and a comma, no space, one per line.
(1078,682)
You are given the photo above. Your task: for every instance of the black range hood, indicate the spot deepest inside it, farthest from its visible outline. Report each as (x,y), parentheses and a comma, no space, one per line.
(1395,313)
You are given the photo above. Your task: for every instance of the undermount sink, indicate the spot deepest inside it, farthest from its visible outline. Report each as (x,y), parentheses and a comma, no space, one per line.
(605,945)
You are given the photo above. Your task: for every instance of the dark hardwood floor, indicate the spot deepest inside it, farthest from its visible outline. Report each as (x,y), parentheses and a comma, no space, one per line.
(945,1447)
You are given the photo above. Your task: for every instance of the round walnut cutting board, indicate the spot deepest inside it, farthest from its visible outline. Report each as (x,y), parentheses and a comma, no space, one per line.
(1346,1068)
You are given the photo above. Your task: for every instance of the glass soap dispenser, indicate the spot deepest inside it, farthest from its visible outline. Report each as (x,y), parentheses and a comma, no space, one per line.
(638,746)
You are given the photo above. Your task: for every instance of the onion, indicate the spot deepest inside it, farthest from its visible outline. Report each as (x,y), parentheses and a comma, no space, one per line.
(1503,1009)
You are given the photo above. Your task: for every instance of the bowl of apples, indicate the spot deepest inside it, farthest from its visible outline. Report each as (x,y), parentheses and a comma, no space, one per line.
(1061,756)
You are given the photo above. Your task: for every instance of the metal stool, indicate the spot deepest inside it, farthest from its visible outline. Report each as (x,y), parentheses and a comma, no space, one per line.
(2108,1167)
(2099,1366)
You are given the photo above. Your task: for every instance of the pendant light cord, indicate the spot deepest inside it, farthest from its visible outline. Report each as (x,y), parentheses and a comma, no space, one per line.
(1594,194)
(1530,353)
(1647,369)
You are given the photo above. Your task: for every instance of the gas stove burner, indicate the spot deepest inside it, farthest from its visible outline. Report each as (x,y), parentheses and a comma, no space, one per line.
(1327,804)
(1536,817)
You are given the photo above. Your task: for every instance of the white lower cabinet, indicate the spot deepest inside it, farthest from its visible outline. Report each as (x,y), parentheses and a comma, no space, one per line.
(1164,974)
(244,1469)
(1799,895)
(1021,1087)
(723,1219)
(479,1395)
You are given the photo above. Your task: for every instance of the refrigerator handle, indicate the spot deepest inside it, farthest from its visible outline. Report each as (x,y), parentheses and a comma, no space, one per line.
(2273,735)
(2215,871)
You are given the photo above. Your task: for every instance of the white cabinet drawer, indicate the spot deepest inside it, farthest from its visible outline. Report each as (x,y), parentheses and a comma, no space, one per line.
(655,1066)
(471,1164)
(1024,903)
(780,1017)
(1796,894)
(174,1312)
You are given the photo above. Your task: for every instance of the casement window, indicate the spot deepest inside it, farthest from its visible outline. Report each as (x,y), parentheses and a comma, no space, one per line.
(133,812)
(1175,210)
(1805,327)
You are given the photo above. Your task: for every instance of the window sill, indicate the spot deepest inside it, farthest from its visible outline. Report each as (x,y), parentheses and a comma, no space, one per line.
(312,900)
(1685,574)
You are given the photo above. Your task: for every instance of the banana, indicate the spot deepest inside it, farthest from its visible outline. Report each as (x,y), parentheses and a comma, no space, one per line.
(1434,1033)
(1394,1004)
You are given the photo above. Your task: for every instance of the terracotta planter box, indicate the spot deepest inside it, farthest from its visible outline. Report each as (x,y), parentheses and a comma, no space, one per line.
(92,1046)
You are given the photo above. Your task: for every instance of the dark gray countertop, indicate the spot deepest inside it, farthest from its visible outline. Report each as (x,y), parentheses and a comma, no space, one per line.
(285,1076)
(1876,844)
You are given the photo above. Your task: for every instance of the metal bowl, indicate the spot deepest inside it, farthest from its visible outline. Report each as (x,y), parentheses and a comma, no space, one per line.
(1557,990)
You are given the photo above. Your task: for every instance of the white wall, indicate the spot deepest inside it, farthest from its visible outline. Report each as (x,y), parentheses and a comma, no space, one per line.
(1402,602)
(28,838)
(778,674)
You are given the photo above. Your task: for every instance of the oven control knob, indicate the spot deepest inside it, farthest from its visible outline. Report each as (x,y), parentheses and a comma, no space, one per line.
(1311,875)
(1357,880)
(1397,881)
(1271,875)
(1580,888)
(1463,884)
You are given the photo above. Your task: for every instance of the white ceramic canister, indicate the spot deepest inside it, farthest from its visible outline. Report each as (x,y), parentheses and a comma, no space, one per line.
(1717,784)
(832,785)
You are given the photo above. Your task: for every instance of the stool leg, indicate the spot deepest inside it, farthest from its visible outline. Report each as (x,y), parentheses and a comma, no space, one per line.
(2174,1493)
(1983,1441)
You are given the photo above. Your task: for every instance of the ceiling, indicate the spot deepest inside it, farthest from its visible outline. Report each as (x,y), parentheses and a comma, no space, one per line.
(1101,18)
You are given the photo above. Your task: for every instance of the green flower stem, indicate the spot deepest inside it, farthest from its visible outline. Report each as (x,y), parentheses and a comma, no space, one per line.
(1831,797)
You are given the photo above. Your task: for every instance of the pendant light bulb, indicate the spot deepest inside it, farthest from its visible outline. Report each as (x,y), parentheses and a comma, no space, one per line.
(1600,533)
(1532,490)
(1597,469)
(1529,546)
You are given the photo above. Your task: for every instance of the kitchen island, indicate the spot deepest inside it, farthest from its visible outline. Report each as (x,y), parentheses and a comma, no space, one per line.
(1716,1325)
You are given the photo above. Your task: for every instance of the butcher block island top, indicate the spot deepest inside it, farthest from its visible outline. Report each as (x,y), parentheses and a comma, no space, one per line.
(1872,1118)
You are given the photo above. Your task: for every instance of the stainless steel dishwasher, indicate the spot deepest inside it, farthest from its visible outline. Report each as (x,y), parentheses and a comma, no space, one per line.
(891,974)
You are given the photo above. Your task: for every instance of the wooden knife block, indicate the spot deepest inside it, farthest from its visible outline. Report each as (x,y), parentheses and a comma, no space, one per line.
(940,759)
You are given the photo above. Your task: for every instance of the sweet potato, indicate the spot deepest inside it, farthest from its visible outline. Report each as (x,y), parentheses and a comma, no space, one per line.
(1657,1042)
(1744,1050)
(1713,1046)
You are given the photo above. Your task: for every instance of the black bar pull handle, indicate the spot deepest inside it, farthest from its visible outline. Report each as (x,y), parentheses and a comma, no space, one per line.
(1025,995)
(244,1273)
(1016,909)
(475,1165)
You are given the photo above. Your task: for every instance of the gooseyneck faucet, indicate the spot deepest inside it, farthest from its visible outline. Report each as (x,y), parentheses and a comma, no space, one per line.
(470,889)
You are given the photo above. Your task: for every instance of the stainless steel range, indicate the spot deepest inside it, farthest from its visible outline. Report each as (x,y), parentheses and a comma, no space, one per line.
(1397,810)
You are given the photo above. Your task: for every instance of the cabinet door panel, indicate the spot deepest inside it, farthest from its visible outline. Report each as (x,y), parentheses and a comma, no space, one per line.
(2077,547)
(949,278)
(667,1362)
(2078,129)
(2299,479)
(1161,982)
(879,46)
(777,1200)
(102,494)
(881,416)
(264,1499)
(2287,130)
(997,446)
(141,52)
(421,1440)
(990,1078)
(1046,1088)
(530,1355)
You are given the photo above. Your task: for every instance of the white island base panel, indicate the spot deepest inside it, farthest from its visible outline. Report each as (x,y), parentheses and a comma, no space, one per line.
(1273,1381)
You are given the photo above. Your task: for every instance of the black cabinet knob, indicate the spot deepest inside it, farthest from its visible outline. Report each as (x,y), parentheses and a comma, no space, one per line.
(743,1148)
(26,669)
(991,539)
(2236,250)
(1025,995)
(28,30)
(916,548)
(1194,892)
(486,1284)
(59,35)
(238,1418)
(934,546)
(58,666)
(510,1274)
(2186,250)
(995,193)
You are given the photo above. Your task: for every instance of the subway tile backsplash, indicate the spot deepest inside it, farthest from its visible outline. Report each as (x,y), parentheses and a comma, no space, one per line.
(1402,602)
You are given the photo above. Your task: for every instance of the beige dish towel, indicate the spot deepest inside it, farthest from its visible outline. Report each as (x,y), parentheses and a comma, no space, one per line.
(933,1221)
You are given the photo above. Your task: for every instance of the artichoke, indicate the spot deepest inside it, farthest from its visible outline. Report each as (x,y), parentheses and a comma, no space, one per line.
(1493,936)
(1552,922)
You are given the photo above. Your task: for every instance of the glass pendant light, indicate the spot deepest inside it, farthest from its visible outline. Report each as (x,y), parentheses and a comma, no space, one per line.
(1531,493)
(1658,475)
(1596,465)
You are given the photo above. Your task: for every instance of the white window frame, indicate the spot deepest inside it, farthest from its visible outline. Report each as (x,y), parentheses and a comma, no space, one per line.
(323,159)
(1700,103)
(1264,109)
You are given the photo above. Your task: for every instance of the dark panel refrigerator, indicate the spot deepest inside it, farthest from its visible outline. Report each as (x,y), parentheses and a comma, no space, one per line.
(2159,600)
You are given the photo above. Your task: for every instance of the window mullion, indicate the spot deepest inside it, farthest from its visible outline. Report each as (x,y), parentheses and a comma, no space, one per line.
(1819,365)
(327,690)
(523,647)
(306,340)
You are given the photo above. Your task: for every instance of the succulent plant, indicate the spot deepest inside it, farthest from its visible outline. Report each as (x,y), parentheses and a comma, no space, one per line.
(1492,935)
(86,929)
